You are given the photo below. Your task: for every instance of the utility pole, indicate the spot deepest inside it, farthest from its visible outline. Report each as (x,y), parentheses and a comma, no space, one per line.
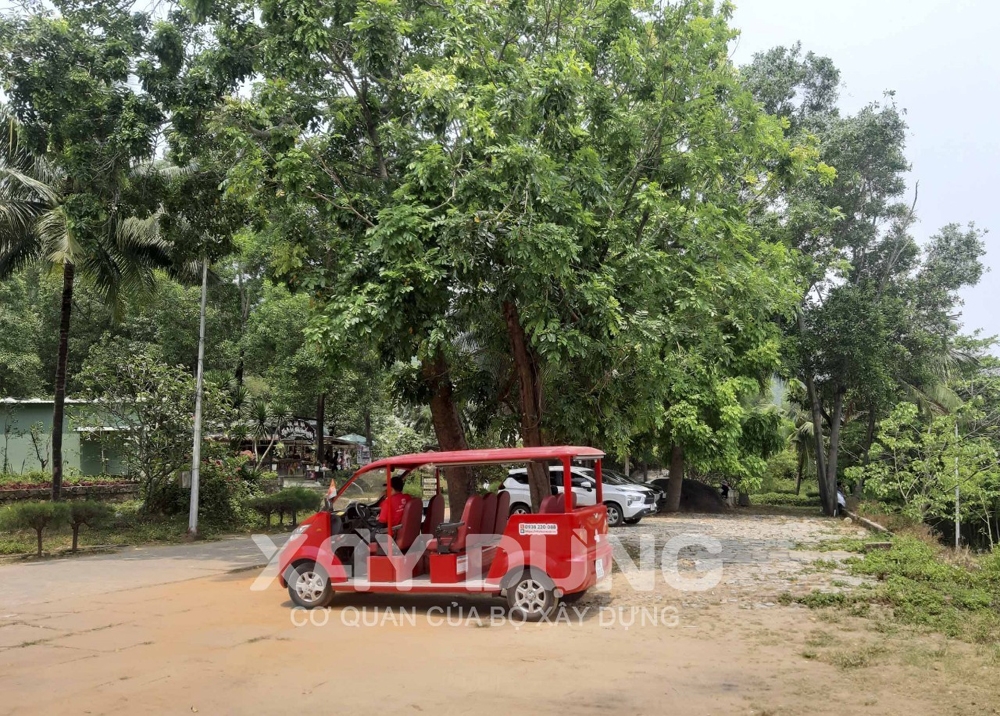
(958,519)
(196,449)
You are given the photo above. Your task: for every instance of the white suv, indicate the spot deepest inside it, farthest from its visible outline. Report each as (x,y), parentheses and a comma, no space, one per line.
(627,504)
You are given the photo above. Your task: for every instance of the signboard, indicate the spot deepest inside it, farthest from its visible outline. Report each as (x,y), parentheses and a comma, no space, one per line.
(429,486)
(298,430)
(364,455)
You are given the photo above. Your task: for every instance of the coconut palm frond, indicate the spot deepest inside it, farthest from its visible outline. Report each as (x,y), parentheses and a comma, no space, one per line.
(16,252)
(935,397)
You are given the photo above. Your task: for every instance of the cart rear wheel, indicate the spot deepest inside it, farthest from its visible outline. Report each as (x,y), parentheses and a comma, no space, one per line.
(531,596)
(309,586)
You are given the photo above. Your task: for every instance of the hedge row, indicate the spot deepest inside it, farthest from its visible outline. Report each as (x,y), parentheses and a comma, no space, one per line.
(40,516)
(290,501)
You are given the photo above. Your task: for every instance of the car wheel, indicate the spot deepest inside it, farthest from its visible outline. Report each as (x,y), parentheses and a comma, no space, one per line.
(309,586)
(633,521)
(616,518)
(519,508)
(531,596)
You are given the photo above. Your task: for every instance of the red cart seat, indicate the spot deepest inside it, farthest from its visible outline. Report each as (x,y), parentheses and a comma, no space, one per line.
(409,528)
(435,514)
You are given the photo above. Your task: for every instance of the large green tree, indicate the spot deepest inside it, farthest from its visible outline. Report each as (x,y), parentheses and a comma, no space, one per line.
(72,191)
(558,183)
(875,307)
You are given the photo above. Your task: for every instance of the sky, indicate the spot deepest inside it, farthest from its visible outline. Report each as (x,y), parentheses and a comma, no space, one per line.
(942,58)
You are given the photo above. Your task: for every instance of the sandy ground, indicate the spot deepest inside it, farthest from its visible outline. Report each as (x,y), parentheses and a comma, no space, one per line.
(212,645)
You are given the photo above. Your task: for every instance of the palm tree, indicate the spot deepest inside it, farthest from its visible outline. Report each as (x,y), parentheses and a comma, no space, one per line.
(35,227)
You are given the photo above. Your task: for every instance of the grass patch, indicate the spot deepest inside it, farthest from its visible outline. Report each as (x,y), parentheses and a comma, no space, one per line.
(924,586)
(856,658)
(127,527)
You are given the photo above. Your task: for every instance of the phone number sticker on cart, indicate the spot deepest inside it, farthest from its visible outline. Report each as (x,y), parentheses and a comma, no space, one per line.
(599,568)
(538,528)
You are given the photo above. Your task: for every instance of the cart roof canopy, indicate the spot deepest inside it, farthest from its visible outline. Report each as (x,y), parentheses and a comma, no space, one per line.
(474,457)
(485,457)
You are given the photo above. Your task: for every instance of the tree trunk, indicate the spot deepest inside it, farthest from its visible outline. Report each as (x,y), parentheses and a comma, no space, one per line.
(817,420)
(676,480)
(830,498)
(368,427)
(802,467)
(38,533)
(76,534)
(866,456)
(59,401)
(448,430)
(320,417)
(530,393)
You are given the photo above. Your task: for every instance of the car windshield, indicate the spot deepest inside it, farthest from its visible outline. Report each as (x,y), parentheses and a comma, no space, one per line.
(612,479)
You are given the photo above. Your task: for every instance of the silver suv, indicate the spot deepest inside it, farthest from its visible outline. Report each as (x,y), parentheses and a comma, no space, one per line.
(627,504)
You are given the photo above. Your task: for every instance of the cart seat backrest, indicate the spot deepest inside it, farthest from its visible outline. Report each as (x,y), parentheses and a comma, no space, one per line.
(435,514)
(552,504)
(489,514)
(503,512)
(409,525)
(471,517)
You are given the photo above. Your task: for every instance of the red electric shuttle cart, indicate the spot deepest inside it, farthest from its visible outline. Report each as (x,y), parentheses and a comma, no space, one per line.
(534,560)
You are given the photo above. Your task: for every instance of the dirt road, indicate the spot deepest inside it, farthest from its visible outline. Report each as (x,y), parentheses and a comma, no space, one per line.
(211,645)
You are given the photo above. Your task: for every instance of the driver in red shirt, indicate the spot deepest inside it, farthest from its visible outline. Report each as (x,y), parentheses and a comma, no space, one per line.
(395,502)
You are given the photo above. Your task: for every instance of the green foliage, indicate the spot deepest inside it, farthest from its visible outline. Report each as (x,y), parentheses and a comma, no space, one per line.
(926,590)
(918,461)
(785,499)
(20,324)
(290,501)
(37,516)
(225,488)
(150,406)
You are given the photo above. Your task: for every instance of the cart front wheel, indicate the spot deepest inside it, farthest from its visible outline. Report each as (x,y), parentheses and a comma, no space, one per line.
(531,596)
(309,586)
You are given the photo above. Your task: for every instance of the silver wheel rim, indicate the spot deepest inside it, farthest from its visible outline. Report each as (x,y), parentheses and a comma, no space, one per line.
(520,511)
(310,586)
(529,597)
(614,517)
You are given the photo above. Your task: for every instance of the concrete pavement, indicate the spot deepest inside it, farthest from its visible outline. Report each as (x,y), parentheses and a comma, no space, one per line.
(33,583)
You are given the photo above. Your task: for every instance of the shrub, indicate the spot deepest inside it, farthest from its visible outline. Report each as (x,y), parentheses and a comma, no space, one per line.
(265,506)
(294,500)
(87,512)
(36,516)
(224,489)
(784,499)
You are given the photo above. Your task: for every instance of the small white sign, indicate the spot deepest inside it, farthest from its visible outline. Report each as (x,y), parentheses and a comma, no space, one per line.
(538,528)
(463,564)
(599,567)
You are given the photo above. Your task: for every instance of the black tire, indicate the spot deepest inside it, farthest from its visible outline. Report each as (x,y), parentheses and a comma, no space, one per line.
(633,521)
(309,586)
(572,598)
(519,508)
(616,516)
(531,596)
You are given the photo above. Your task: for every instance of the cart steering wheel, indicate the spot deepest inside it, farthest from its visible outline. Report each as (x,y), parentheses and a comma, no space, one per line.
(364,511)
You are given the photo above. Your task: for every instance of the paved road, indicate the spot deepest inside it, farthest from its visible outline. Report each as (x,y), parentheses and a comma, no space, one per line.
(132,568)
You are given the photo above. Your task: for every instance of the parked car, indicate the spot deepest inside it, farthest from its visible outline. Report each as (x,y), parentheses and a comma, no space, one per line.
(626,504)
(612,477)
